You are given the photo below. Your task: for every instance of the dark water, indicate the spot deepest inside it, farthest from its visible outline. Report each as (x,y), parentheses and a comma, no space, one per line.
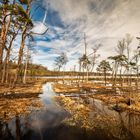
(47,124)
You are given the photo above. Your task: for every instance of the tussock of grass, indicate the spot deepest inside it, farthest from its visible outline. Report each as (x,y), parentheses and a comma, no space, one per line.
(63,88)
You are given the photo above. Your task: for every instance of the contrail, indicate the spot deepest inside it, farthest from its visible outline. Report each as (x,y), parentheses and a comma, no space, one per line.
(45,16)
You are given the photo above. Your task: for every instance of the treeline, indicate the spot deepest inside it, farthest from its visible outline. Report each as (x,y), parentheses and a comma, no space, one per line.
(31,70)
(15,22)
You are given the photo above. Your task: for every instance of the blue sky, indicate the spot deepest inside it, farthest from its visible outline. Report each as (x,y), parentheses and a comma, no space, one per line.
(103,21)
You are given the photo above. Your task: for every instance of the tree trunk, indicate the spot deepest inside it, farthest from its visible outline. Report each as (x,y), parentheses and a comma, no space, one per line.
(87,74)
(121,80)
(1,58)
(105,76)
(20,55)
(137,78)
(26,66)
(115,74)
(6,62)
(2,44)
(3,35)
(79,73)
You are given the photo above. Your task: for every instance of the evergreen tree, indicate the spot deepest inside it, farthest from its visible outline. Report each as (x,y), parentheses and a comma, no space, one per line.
(104,67)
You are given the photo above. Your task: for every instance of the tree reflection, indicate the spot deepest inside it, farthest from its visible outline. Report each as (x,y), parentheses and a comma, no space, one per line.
(11,110)
(124,131)
(5,132)
(18,130)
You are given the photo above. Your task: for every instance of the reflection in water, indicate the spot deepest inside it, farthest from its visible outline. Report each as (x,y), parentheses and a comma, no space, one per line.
(115,124)
(12,112)
(18,131)
(123,131)
(127,123)
(27,119)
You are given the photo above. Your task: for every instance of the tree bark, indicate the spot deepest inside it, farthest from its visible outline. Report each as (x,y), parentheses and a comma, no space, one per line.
(6,63)
(3,35)
(2,41)
(20,55)
(26,66)
(105,76)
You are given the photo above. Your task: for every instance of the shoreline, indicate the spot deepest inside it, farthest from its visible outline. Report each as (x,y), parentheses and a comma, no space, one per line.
(31,87)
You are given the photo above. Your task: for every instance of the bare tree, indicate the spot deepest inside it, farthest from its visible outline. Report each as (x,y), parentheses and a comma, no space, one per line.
(128,41)
(120,49)
(94,56)
(60,62)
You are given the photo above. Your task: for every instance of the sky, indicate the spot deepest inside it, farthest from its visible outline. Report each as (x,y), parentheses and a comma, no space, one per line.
(103,21)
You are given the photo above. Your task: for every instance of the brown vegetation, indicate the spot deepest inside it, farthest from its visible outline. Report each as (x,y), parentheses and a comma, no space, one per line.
(10,108)
(80,114)
(63,88)
(28,88)
(120,98)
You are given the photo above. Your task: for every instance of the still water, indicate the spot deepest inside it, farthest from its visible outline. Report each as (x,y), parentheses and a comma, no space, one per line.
(47,123)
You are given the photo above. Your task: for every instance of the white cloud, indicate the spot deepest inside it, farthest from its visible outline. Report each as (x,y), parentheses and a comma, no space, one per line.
(39,28)
(103,21)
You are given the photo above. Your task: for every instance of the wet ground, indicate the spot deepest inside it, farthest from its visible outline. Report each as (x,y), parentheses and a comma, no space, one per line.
(52,121)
